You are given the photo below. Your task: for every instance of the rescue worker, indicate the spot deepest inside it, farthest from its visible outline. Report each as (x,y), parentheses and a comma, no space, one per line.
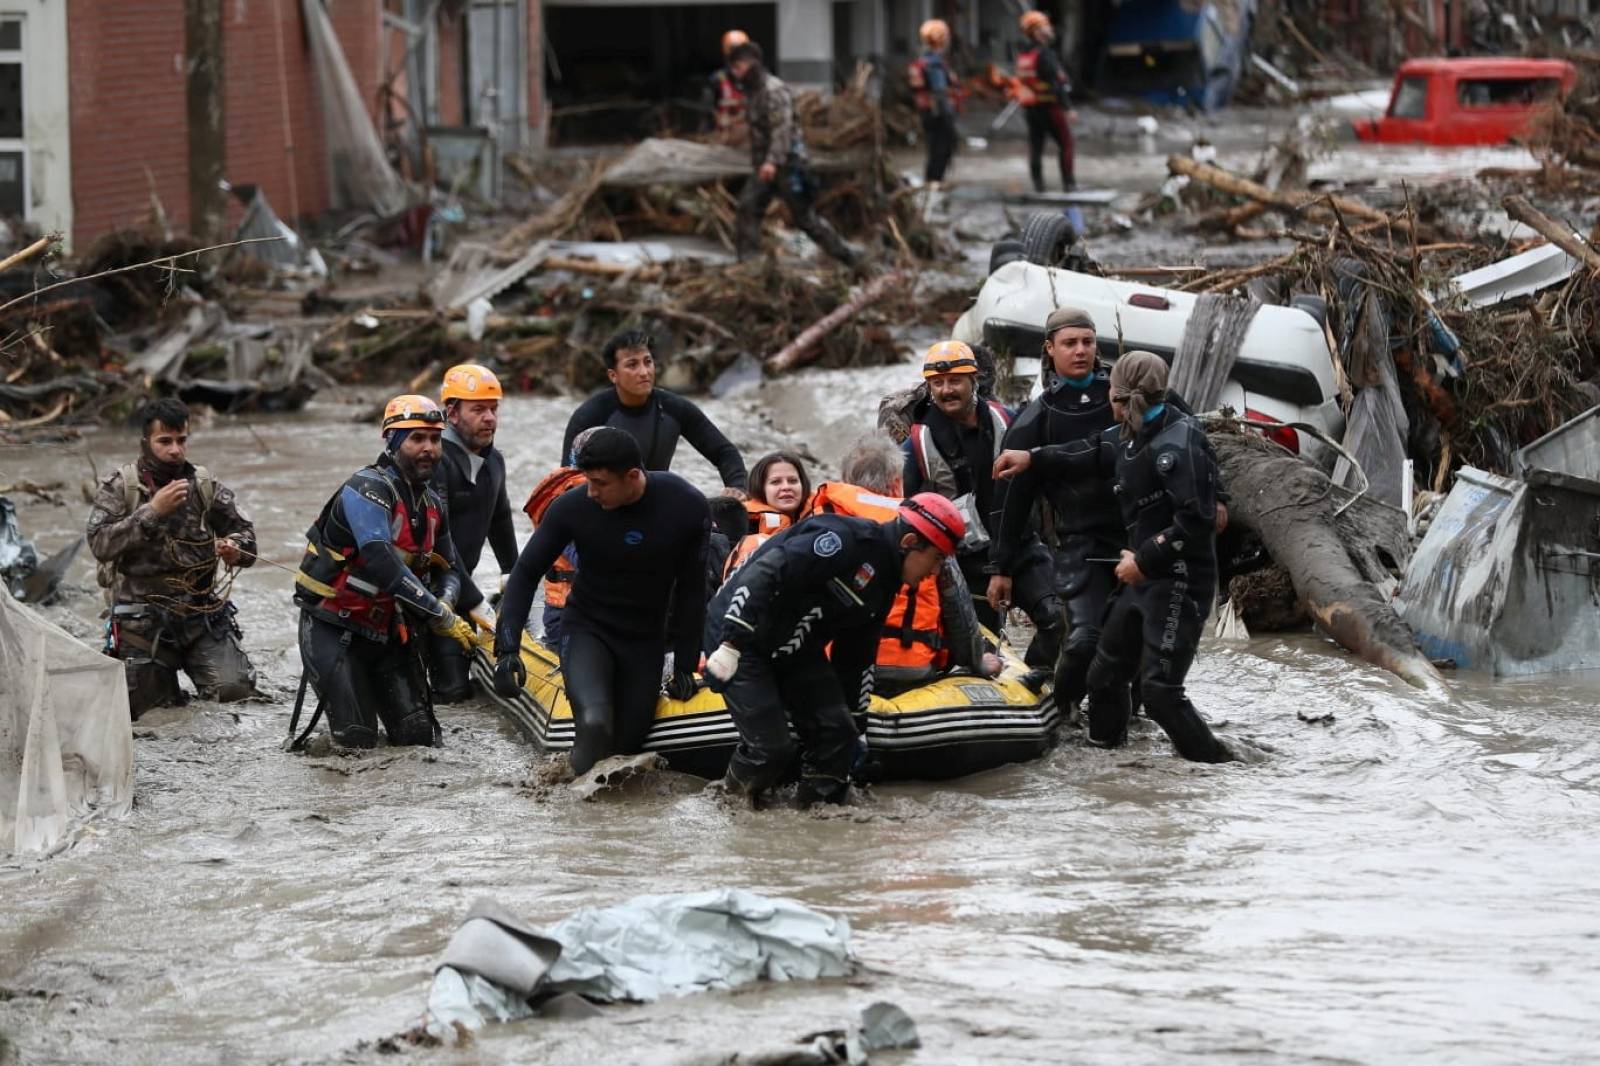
(158,528)
(951,450)
(1088,526)
(779,491)
(656,418)
(363,587)
(1042,86)
(727,100)
(641,543)
(471,480)
(934,93)
(1167,484)
(558,579)
(778,155)
(827,580)
(931,628)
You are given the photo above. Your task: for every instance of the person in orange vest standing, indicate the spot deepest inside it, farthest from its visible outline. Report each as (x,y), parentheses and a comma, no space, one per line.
(1042,86)
(727,98)
(933,91)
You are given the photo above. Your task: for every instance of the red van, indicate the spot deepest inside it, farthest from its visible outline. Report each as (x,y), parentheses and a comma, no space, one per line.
(1467,101)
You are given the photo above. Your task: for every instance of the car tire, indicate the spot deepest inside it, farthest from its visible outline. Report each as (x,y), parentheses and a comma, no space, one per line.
(1315,306)
(1007,249)
(1047,238)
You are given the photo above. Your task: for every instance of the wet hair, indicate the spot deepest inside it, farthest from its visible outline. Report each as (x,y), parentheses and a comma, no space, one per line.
(729,517)
(626,341)
(873,463)
(169,411)
(610,449)
(758,475)
(747,50)
(578,442)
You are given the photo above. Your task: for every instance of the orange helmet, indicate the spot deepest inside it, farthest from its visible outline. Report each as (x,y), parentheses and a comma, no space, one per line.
(412,412)
(1034,20)
(935,519)
(469,381)
(935,33)
(733,39)
(949,357)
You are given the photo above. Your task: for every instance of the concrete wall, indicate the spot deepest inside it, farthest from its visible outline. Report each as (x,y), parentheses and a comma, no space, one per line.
(47,123)
(805,43)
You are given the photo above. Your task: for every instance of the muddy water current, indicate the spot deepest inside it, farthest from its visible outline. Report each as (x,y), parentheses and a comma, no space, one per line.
(1393,880)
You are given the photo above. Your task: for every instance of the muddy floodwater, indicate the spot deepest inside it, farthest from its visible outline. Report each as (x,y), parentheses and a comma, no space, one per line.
(1388,879)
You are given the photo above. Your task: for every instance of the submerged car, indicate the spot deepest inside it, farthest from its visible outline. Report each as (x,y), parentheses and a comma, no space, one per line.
(1283,373)
(1467,101)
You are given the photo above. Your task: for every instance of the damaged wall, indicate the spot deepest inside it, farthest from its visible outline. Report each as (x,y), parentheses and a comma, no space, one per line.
(129,132)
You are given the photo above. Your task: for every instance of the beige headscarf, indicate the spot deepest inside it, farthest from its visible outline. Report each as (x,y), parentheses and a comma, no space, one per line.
(1140,379)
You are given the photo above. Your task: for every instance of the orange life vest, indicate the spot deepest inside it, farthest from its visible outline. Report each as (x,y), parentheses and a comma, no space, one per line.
(765,518)
(742,551)
(912,634)
(558,579)
(332,580)
(730,103)
(1033,90)
(922,95)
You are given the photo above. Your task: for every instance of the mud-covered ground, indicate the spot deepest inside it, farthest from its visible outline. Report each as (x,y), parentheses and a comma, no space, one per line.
(1386,879)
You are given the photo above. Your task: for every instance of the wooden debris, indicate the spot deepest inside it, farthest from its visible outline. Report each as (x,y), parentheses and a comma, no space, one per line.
(799,352)
(1561,236)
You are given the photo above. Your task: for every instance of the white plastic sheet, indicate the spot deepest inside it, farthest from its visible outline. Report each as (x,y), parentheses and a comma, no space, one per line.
(66,739)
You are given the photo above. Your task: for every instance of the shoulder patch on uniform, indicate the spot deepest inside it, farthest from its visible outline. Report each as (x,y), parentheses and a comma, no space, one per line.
(1166,461)
(863,576)
(827,545)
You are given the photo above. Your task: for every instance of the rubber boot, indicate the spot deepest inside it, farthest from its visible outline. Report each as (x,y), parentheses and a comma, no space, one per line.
(814,790)
(1108,712)
(1189,732)
(1072,678)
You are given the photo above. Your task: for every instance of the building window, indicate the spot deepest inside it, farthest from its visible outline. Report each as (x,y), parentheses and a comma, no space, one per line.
(13,149)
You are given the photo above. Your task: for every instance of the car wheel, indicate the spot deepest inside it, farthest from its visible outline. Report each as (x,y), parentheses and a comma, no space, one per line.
(1047,238)
(1315,306)
(1007,249)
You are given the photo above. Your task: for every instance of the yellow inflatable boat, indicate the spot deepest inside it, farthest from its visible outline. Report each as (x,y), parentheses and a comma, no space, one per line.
(950,727)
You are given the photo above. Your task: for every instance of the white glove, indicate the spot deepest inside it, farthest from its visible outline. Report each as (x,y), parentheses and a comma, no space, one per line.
(723,663)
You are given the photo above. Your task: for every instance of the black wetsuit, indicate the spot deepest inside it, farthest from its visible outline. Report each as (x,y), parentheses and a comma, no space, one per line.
(1167,484)
(638,562)
(1087,522)
(658,425)
(473,487)
(829,580)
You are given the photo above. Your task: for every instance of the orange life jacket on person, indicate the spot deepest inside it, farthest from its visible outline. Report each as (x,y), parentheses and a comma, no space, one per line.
(1033,90)
(558,579)
(731,104)
(765,520)
(922,94)
(912,636)
(331,582)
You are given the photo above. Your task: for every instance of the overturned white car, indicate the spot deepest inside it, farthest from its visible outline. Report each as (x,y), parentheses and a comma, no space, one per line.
(1269,362)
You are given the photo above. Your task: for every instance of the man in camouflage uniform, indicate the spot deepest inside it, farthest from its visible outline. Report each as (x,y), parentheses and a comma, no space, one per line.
(778,153)
(158,528)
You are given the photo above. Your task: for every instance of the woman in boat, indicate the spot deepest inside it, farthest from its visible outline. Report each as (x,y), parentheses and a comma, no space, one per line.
(779,489)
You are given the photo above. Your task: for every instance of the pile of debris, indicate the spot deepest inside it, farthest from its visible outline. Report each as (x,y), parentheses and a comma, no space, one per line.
(1484,352)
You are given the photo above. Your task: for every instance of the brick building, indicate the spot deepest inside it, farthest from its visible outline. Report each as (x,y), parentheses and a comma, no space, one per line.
(101,106)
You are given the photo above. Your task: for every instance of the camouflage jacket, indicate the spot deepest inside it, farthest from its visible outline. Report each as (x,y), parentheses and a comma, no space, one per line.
(775,135)
(165,558)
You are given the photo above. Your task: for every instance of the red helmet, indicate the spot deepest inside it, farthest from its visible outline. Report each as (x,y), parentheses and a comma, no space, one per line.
(935,519)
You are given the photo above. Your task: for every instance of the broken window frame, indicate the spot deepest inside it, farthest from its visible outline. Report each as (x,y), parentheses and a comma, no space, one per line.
(19,144)
(1412,90)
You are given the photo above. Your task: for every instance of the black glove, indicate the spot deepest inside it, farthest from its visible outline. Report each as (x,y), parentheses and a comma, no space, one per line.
(509,675)
(682,685)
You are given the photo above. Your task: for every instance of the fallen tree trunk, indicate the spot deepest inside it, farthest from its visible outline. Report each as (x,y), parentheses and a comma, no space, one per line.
(1290,506)
(1561,236)
(1234,185)
(799,351)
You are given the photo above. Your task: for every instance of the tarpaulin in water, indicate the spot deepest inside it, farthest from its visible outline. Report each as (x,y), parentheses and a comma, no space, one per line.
(66,739)
(638,951)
